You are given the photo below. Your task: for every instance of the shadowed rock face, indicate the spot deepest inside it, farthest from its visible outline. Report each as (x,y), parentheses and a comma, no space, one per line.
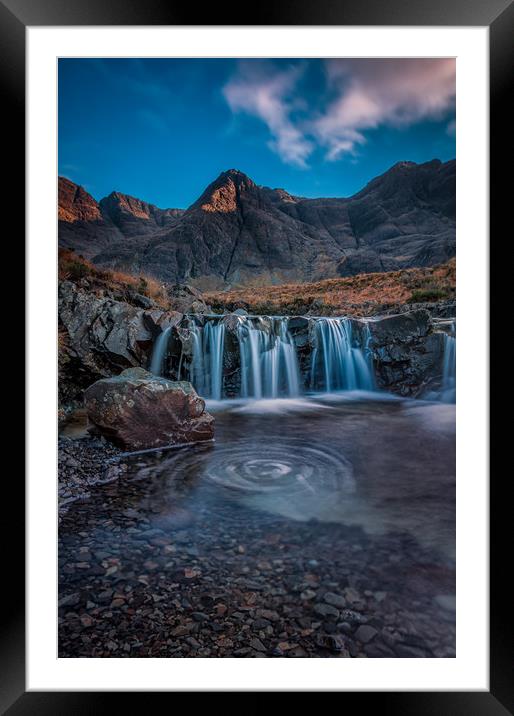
(238,232)
(88,226)
(136,410)
(99,337)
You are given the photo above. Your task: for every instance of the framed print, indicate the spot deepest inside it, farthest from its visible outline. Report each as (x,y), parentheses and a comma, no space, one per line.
(250,432)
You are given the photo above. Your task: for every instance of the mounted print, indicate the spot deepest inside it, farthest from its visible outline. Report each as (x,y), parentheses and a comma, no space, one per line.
(257,356)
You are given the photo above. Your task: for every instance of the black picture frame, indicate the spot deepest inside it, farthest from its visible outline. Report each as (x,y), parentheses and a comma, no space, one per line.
(498,15)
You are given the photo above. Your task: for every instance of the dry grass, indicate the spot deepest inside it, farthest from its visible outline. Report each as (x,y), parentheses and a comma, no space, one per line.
(364,294)
(98,280)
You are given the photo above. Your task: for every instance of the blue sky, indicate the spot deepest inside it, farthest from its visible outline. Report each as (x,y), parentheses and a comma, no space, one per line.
(162,129)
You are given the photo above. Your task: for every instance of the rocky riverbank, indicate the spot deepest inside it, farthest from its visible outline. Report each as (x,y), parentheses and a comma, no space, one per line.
(84,463)
(230,585)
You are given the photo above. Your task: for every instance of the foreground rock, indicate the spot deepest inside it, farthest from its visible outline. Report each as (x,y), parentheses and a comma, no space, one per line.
(99,337)
(137,410)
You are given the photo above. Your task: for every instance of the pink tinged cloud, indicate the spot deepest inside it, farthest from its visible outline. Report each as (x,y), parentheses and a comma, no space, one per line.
(367,94)
(385,92)
(264,93)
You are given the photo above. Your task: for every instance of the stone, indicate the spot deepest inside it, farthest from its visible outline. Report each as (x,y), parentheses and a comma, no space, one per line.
(365,633)
(137,410)
(71,600)
(326,610)
(99,337)
(334,599)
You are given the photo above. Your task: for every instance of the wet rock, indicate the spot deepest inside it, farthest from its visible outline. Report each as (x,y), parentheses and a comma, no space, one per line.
(407,351)
(335,600)
(365,633)
(71,600)
(326,610)
(99,337)
(257,644)
(137,410)
(330,642)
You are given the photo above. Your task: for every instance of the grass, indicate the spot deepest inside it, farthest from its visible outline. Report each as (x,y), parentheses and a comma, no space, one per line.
(364,294)
(77,269)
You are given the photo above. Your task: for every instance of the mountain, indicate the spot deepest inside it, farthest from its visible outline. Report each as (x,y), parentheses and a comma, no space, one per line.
(238,232)
(88,226)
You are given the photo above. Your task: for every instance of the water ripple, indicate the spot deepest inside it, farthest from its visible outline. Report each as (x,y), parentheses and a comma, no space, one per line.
(289,466)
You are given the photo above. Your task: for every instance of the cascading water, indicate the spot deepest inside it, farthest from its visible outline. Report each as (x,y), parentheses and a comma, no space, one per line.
(337,362)
(266,363)
(449,391)
(206,369)
(159,351)
(269,364)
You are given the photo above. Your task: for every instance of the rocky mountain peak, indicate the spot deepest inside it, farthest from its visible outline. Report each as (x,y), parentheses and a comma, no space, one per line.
(238,177)
(75,203)
(223,194)
(117,202)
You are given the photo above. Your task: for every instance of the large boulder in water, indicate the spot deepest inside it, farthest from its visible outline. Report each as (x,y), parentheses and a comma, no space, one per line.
(137,410)
(407,353)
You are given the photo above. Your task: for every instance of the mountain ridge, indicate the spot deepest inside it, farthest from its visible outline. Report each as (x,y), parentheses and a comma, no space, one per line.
(238,232)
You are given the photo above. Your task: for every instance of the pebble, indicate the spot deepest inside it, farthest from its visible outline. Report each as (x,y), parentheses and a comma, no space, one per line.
(334,599)
(135,582)
(365,633)
(326,610)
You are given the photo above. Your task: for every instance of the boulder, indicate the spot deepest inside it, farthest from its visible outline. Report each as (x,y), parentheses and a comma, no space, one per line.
(187,299)
(400,328)
(137,410)
(407,353)
(99,337)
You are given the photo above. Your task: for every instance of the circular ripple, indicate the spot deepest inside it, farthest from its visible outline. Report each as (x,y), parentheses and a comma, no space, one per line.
(288,466)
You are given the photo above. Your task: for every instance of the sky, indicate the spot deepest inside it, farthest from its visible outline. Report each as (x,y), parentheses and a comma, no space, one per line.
(163,129)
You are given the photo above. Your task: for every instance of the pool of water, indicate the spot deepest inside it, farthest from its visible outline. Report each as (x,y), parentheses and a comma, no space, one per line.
(385,465)
(359,486)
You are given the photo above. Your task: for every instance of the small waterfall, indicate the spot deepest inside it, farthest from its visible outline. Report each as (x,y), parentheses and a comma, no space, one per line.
(344,365)
(214,337)
(269,365)
(159,351)
(449,391)
(206,369)
(256,356)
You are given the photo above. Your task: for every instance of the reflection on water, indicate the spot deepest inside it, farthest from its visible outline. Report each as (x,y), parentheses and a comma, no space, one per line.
(240,547)
(384,465)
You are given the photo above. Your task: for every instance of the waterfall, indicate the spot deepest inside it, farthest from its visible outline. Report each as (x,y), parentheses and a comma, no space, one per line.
(214,337)
(159,351)
(449,391)
(269,364)
(337,360)
(206,368)
(257,357)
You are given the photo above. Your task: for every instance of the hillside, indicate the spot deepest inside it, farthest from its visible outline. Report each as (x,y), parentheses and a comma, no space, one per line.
(238,233)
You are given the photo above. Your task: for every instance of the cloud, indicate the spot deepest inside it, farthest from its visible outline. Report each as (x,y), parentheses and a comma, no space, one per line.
(451,128)
(364,94)
(385,92)
(265,92)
